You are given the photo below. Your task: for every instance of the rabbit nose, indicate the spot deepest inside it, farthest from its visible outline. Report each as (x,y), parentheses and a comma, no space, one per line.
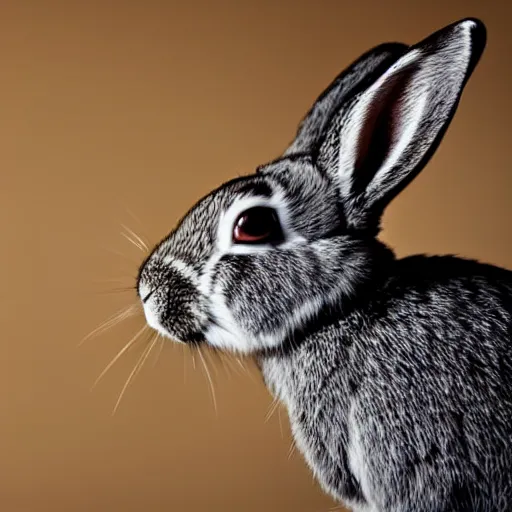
(170,300)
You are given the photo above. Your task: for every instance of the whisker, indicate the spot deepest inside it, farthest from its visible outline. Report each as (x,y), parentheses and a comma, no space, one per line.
(136,240)
(237,369)
(126,281)
(159,353)
(280,423)
(245,369)
(209,380)
(137,367)
(292,449)
(209,356)
(272,409)
(152,342)
(133,242)
(337,507)
(134,217)
(226,367)
(117,280)
(184,365)
(118,289)
(231,364)
(119,354)
(241,365)
(110,322)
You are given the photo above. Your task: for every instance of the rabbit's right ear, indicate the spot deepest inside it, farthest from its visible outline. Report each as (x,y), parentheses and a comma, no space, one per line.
(382,138)
(359,75)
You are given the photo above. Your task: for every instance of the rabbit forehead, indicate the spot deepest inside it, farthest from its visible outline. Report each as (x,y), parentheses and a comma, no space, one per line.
(298,187)
(307,195)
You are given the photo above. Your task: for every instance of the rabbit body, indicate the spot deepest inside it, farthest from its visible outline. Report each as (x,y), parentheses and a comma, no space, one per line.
(405,403)
(396,373)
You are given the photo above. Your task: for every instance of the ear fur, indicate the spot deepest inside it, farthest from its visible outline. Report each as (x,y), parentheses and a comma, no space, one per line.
(383,137)
(358,75)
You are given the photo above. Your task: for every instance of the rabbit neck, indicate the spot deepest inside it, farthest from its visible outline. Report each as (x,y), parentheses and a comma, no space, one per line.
(297,379)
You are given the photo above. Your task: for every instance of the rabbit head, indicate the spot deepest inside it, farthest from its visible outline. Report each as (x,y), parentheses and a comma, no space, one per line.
(263,255)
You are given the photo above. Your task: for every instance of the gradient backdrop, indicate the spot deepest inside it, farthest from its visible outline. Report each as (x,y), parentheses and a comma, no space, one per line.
(127,112)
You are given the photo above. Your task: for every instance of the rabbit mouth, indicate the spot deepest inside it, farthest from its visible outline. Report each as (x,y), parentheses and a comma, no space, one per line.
(182,328)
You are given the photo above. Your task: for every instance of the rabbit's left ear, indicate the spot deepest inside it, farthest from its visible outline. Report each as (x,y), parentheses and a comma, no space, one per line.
(380,141)
(357,76)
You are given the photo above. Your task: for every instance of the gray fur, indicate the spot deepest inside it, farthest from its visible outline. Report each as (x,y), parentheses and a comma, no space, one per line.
(313,127)
(406,404)
(396,373)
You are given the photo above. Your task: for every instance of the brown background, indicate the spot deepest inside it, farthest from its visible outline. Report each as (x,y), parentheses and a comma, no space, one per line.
(114,108)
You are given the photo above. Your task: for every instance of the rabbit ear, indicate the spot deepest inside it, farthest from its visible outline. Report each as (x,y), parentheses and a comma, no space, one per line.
(377,144)
(359,74)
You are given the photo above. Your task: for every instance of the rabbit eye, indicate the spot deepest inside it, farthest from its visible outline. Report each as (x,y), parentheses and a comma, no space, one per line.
(257,225)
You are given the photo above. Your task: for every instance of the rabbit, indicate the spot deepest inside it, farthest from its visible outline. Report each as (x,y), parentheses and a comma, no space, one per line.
(396,373)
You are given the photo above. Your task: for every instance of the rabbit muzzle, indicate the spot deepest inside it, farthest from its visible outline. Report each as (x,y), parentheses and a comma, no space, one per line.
(171,301)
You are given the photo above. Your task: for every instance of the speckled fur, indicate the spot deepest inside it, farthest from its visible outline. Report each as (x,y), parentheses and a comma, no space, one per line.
(396,374)
(405,404)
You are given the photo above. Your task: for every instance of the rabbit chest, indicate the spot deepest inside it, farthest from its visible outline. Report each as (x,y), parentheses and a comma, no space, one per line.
(316,382)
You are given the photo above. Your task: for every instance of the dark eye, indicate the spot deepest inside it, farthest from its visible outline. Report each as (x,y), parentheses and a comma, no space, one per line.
(256,226)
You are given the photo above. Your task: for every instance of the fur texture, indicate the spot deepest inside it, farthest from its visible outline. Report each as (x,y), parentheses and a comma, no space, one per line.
(397,374)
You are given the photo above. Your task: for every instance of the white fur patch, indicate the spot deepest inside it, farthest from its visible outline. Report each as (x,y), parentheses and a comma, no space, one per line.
(183,268)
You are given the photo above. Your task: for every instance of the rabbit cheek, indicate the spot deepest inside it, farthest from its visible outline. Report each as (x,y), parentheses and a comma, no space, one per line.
(250,301)
(225,329)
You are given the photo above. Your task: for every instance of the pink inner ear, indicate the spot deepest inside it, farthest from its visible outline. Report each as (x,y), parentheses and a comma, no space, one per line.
(381,128)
